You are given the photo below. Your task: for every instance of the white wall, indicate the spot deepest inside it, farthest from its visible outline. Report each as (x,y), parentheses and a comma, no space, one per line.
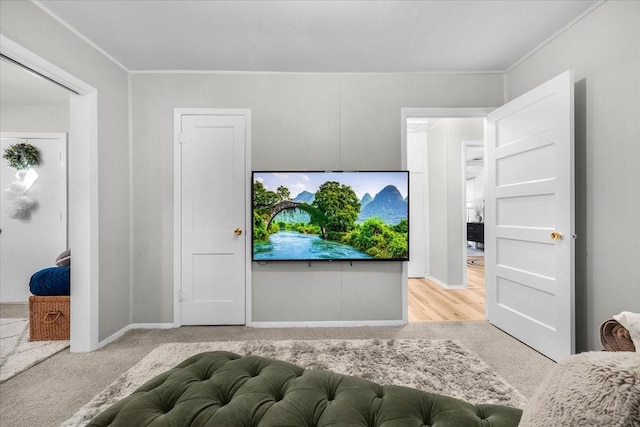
(446,186)
(26,24)
(418,215)
(34,118)
(604,53)
(299,121)
(475,196)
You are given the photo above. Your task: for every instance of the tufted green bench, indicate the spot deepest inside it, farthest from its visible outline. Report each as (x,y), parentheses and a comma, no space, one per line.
(226,389)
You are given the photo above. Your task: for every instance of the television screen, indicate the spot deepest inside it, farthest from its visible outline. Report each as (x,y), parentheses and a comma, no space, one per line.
(330,216)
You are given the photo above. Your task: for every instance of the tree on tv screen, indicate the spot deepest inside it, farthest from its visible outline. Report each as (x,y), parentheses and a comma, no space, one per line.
(339,204)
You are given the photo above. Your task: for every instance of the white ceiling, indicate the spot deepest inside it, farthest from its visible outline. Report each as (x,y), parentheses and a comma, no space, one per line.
(302,36)
(319,36)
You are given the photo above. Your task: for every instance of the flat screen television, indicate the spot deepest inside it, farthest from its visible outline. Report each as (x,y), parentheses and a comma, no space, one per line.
(338,215)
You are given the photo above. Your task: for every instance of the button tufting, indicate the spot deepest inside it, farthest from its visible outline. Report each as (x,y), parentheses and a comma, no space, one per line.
(224,400)
(331,395)
(371,403)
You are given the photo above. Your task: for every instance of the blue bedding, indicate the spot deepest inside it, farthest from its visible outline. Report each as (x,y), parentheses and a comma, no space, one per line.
(51,281)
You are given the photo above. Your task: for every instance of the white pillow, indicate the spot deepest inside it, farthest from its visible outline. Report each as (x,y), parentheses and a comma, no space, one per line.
(631,321)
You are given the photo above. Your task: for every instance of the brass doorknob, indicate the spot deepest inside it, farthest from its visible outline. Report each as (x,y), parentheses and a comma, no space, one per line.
(237,231)
(555,235)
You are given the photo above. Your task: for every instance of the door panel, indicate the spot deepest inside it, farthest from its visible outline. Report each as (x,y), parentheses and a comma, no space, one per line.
(529,273)
(212,207)
(31,244)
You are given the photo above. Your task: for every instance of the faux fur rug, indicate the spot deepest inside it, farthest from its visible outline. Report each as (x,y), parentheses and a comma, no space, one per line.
(17,353)
(440,366)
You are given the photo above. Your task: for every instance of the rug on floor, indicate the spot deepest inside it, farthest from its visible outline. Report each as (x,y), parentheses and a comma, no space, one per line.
(440,366)
(17,353)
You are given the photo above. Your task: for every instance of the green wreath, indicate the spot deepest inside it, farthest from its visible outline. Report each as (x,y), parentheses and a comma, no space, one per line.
(22,156)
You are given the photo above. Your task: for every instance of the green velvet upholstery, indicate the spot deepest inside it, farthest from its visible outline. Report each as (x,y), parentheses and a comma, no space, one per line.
(225,389)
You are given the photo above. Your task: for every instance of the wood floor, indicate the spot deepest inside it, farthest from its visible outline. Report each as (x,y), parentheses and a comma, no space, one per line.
(429,301)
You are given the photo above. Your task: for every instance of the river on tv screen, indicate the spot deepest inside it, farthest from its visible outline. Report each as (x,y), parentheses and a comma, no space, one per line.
(330,215)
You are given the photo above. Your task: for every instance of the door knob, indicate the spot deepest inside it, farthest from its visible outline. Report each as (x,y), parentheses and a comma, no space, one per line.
(555,235)
(237,231)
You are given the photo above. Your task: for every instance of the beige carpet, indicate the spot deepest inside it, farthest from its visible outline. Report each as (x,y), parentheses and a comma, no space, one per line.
(440,366)
(17,353)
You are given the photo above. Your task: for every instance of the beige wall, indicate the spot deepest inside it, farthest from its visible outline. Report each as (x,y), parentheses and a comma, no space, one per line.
(299,121)
(603,50)
(26,24)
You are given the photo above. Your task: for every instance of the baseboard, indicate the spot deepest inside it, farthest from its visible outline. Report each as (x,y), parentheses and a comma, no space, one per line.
(445,285)
(305,324)
(131,326)
(327,324)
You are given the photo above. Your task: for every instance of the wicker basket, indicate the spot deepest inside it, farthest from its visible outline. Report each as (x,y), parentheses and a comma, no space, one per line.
(49,318)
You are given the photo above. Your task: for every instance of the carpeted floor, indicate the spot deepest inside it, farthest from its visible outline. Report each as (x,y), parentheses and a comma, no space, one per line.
(17,353)
(52,391)
(439,366)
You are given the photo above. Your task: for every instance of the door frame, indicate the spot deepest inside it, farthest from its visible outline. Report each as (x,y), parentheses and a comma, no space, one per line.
(177,203)
(82,158)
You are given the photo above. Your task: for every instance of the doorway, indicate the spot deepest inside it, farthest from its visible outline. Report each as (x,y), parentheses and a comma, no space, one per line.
(444,156)
(33,206)
(82,190)
(530,235)
(473,196)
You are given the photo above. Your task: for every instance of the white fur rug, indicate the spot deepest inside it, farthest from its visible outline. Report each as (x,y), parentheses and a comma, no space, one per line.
(440,366)
(17,353)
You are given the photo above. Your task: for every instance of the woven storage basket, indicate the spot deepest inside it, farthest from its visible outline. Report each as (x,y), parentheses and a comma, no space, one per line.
(49,318)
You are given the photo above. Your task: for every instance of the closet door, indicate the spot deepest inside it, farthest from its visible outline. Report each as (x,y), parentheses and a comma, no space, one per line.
(31,240)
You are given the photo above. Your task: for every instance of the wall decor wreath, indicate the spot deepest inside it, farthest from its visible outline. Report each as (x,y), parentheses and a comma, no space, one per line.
(22,156)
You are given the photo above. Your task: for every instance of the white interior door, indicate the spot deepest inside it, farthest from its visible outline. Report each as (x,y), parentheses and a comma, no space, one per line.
(33,242)
(213,211)
(530,218)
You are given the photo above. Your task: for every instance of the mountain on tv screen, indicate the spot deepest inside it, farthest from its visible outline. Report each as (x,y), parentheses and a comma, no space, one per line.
(330,216)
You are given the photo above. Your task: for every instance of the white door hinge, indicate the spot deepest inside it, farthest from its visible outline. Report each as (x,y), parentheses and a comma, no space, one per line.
(181,138)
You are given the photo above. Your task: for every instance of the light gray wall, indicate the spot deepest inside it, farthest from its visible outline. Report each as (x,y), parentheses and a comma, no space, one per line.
(26,24)
(603,50)
(34,118)
(299,121)
(446,186)
(438,205)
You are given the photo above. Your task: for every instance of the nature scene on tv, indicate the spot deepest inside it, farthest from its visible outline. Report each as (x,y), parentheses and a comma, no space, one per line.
(330,215)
